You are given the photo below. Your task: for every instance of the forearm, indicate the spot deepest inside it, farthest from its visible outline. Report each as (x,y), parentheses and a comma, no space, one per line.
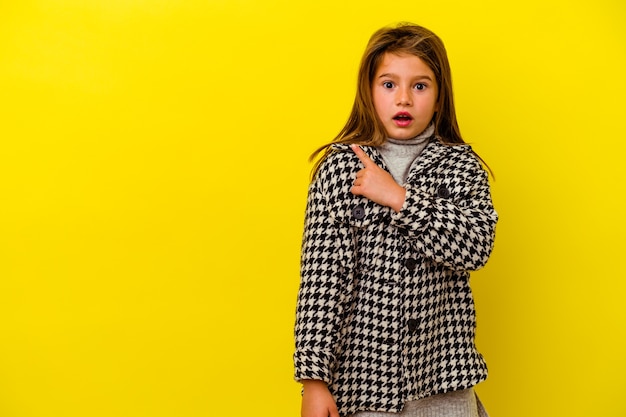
(458,233)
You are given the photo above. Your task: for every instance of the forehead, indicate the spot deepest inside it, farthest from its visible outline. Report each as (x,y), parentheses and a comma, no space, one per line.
(402,64)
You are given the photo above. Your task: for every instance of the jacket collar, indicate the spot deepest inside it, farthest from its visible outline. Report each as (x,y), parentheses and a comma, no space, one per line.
(432,154)
(370,151)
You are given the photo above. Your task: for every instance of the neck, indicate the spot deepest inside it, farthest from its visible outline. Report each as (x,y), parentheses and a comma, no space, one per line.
(422,137)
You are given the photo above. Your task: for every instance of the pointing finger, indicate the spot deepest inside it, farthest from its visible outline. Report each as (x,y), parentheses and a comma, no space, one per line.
(367,162)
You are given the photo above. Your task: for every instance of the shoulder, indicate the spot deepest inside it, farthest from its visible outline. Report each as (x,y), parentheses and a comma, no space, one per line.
(460,148)
(340,161)
(461,155)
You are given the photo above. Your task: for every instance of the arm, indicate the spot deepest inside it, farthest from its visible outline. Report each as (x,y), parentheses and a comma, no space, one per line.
(323,290)
(459,234)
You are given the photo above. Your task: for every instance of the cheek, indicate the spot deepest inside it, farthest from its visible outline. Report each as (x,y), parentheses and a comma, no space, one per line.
(433,103)
(379,103)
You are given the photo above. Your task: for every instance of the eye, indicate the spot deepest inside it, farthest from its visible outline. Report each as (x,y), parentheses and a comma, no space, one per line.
(420,86)
(388,84)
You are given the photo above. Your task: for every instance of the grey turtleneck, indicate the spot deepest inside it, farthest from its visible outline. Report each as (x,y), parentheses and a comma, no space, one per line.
(399,154)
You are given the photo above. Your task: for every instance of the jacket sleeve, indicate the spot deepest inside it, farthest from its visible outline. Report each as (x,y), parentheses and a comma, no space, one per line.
(458,232)
(322,292)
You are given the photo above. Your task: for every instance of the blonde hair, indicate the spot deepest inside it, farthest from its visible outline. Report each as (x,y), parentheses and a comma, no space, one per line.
(363,126)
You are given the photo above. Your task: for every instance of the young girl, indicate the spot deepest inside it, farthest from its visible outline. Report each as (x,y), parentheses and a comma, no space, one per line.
(398,212)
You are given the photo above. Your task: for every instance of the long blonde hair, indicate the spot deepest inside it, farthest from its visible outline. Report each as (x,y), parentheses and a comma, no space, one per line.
(363,126)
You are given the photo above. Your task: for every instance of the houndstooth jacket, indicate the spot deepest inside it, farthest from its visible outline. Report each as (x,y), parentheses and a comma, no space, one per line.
(385,313)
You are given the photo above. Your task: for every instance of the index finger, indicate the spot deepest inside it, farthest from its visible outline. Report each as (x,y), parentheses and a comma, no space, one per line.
(361,155)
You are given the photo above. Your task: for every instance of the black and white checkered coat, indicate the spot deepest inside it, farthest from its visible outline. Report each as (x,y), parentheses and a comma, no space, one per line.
(385,313)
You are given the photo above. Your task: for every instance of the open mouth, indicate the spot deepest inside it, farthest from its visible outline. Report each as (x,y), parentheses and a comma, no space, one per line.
(402,119)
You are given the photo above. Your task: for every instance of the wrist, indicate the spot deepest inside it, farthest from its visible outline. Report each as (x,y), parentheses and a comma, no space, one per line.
(313,383)
(398,198)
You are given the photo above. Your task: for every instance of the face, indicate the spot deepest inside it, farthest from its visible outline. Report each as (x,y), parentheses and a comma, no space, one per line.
(404,92)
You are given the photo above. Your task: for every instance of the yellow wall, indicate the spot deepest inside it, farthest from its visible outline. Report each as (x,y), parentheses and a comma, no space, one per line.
(153,175)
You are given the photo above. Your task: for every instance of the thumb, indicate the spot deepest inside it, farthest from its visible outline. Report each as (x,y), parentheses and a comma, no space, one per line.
(367,162)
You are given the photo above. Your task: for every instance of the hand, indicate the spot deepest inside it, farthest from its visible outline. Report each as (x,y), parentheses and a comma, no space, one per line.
(317,401)
(377,184)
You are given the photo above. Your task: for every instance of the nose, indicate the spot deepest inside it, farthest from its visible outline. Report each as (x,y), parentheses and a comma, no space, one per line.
(404,97)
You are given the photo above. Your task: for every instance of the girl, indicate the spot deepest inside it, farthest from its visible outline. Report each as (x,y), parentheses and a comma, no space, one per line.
(398,212)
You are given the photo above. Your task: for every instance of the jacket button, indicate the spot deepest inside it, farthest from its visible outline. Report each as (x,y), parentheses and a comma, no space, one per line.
(443,192)
(358,212)
(410,264)
(413,325)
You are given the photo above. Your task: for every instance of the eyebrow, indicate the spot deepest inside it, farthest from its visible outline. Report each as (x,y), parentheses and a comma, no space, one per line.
(419,77)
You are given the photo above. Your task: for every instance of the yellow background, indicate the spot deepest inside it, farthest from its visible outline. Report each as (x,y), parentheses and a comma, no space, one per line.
(153,173)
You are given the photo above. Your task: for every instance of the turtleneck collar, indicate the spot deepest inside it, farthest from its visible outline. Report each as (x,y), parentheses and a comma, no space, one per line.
(421,138)
(399,154)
